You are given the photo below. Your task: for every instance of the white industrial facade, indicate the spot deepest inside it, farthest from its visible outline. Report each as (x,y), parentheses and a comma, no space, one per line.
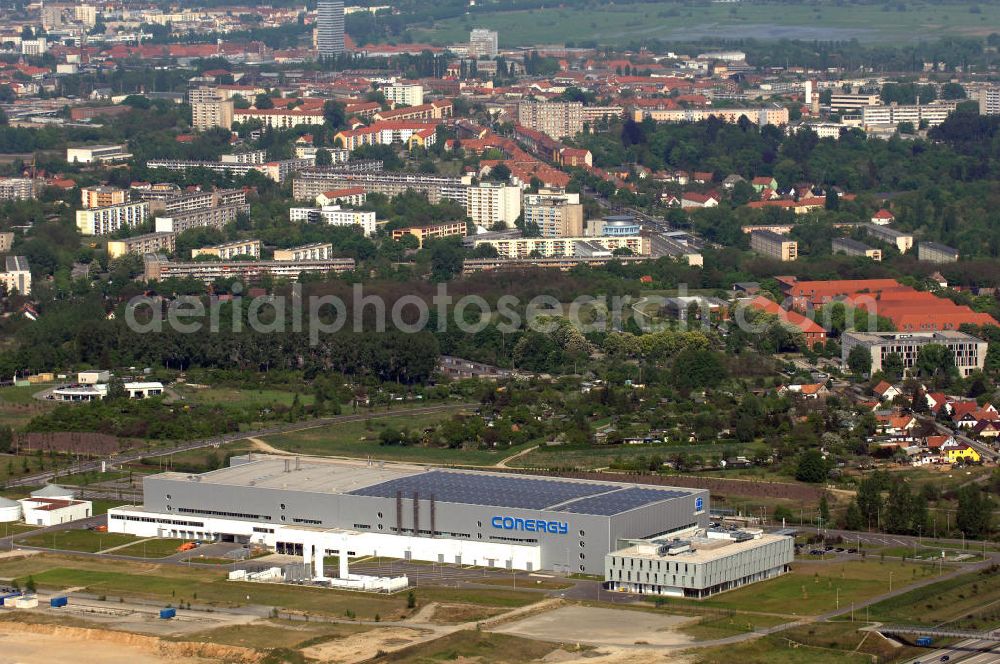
(510,521)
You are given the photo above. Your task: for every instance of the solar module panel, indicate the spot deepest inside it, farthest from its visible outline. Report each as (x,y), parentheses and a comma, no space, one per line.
(518,492)
(475,489)
(617,502)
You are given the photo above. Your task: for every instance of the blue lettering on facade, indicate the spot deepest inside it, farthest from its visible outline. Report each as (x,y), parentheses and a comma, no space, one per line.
(530,525)
(699,504)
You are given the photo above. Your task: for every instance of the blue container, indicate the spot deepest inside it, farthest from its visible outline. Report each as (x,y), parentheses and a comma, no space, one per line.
(4,598)
(57,602)
(167,614)
(925,641)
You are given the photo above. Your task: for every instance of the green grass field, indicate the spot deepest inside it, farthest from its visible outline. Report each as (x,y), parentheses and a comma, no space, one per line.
(970,601)
(239,397)
(276,634)
(18,405)
(771,649)
(624,22)
(590,457)
(153,548)
(816,587)
(360,439)
(87,541)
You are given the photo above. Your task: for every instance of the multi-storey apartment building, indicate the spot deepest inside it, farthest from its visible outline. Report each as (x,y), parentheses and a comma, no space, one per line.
(556,213)
(850,102)
(280,118)
(408,94)
(424,233)
(770,115)
(933,252)
(229,250)
(557,119)
(143,244)
(107,220)
(845,245)
(16,277)
(968,352)
(6,242)
(214,217)
(491,203)
(773,245)
(409,134)
(317,251)
(310,183)
(158,268)
(17,189)
(335,216)
(102,196)
(212,113)
(329,35)
(524,247)
(902,241)
(917,114)
(483,43)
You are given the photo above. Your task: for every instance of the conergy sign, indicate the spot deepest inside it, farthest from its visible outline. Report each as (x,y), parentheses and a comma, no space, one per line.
(530,525)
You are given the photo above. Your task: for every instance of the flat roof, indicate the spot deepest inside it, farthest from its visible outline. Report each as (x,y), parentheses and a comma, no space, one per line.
(702,549)
(386,480)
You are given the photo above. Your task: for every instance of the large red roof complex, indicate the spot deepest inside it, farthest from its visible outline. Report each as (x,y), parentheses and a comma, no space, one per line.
(909,310)
(813,331)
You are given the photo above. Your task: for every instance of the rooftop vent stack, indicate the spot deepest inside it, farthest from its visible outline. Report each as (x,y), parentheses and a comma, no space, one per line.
(288,465)
(298,463)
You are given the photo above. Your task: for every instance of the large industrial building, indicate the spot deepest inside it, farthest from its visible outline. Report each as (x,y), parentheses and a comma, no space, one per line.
(305,506)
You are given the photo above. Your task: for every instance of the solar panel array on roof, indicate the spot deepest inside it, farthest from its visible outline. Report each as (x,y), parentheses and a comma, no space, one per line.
(619,501)
(476,489)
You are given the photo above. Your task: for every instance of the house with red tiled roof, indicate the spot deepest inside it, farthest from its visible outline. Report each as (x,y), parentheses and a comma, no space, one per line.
(883,218)
(692,199)
(987,429)
(810,329)
(895,424)
(886,391)
(762,182)
(806,390)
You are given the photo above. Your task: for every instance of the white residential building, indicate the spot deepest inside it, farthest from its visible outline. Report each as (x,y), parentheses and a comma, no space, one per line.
(335,216)
(490,203)
(409,94)
(107,220)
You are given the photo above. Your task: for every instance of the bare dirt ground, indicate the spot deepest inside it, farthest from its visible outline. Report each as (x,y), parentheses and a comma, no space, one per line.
(262,446)
(25,643)
(360,647)
(604,627)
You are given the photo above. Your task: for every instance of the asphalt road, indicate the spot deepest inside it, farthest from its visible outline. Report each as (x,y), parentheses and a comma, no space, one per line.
(136,455)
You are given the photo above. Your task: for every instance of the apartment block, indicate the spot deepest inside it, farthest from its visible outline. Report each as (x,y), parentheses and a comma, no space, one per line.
(16,277)
(845,245)
(280,118)
(143,244)
(6,242)
(522,247)
(335,216)
(902,241)
(483,43)
(556,214)
(775,246)
(17,189)
(158,268)
(107,220)
(893,114)
(557,119)
(968,352)
(214,217)
(92,154)
(102,196)
(845,102)
(210,114)
(932,252)
(230,250)
(408,94)
(310,183)
(409,134)
(424,233)
(989,100)
(309,252)
(198,200)
(491,203)
(771,115)
(353,196)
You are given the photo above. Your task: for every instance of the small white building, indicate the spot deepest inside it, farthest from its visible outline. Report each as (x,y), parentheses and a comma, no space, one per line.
(10,510)
(52,505)
(93,377)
